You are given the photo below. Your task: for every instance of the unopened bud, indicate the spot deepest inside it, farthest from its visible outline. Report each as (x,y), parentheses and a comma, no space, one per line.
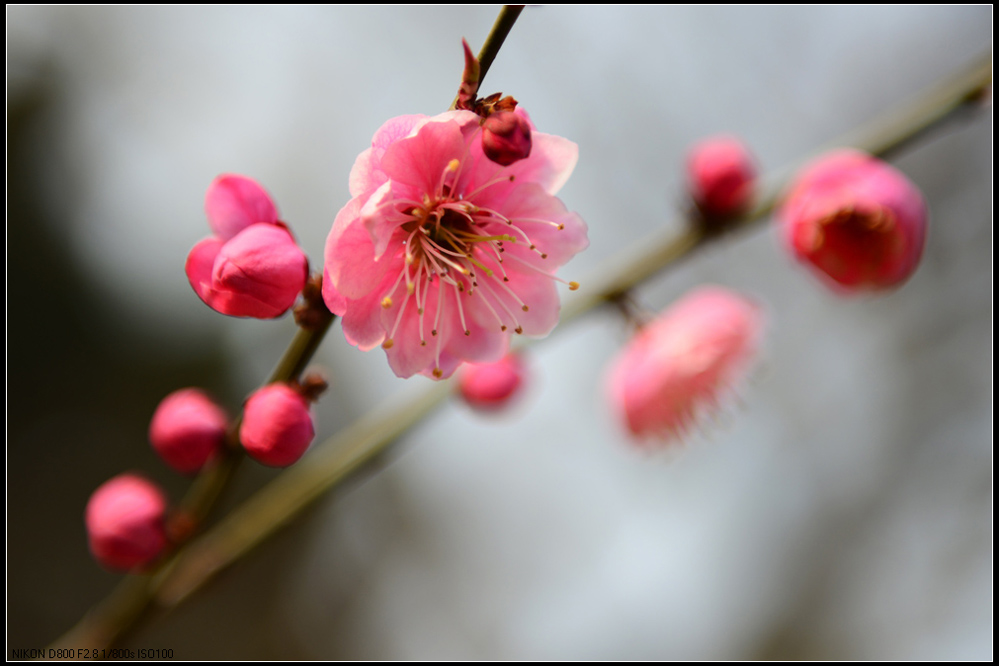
(277,426)
(188,429)
(125,522)
(492,386)
(721,175)
(506,137)
(857,221)
(252,267)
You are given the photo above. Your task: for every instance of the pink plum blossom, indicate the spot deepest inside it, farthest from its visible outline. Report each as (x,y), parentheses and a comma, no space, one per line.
(721,175)
(855,220)
(188,429)
(679,364)
(125,520)
(252,266)
(277,426)
(491,386)
(443,254)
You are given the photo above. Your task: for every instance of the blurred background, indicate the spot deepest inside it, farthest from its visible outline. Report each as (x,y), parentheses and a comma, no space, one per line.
(840,507)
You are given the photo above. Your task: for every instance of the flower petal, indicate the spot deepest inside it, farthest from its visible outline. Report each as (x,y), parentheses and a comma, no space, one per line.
(234,202)
(200,261)
(367,173)
(259,272)
(421,160)
(350,255)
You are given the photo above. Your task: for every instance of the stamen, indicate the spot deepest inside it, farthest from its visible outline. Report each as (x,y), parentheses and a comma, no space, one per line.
(461,310)
(440,304)
(485,285)
(542,272)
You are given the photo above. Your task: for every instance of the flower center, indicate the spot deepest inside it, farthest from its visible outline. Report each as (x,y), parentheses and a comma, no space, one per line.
(458,248)
(854,246)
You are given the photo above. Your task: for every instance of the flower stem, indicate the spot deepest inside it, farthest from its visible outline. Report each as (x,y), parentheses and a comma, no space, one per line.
(501,28)
(504,22)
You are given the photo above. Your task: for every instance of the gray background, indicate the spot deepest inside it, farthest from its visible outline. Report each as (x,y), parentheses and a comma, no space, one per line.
(839,507)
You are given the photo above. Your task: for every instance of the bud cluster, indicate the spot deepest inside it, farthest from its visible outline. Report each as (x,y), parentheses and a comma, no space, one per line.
(250,267)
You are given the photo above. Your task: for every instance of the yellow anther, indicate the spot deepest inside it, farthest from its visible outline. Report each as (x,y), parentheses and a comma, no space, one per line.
(410,287)
(438,373)
(524,308)
(453,165)
(387,344)
(573,286)
(387,302)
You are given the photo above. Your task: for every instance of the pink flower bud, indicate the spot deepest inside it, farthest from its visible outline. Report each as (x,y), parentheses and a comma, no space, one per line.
(188,429)
(679,364)
(506,137)
(252,267)
(490,386)
(721,175)
(125,522)
(277,426)
(858,222)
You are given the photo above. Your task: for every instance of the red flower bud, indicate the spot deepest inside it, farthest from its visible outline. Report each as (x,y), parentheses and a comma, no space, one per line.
(858,222)
(490,386)
(188,429)
(506,137)
(252,267)
(125,522)
(721,175)
(277,426)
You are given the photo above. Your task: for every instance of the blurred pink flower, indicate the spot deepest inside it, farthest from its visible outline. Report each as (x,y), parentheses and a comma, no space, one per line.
(443,254)
(188,429)
(721,175)
(252,266)
(680,363)
(277,425)
(125,522)
(858,222)
(491,386)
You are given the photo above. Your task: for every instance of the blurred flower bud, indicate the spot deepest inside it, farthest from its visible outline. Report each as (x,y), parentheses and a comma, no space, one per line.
(252,267)
(721,175)
(187,429)
(125,522)
(679,364)
(490,386)
(277,426)
(506,137)
(858,222)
